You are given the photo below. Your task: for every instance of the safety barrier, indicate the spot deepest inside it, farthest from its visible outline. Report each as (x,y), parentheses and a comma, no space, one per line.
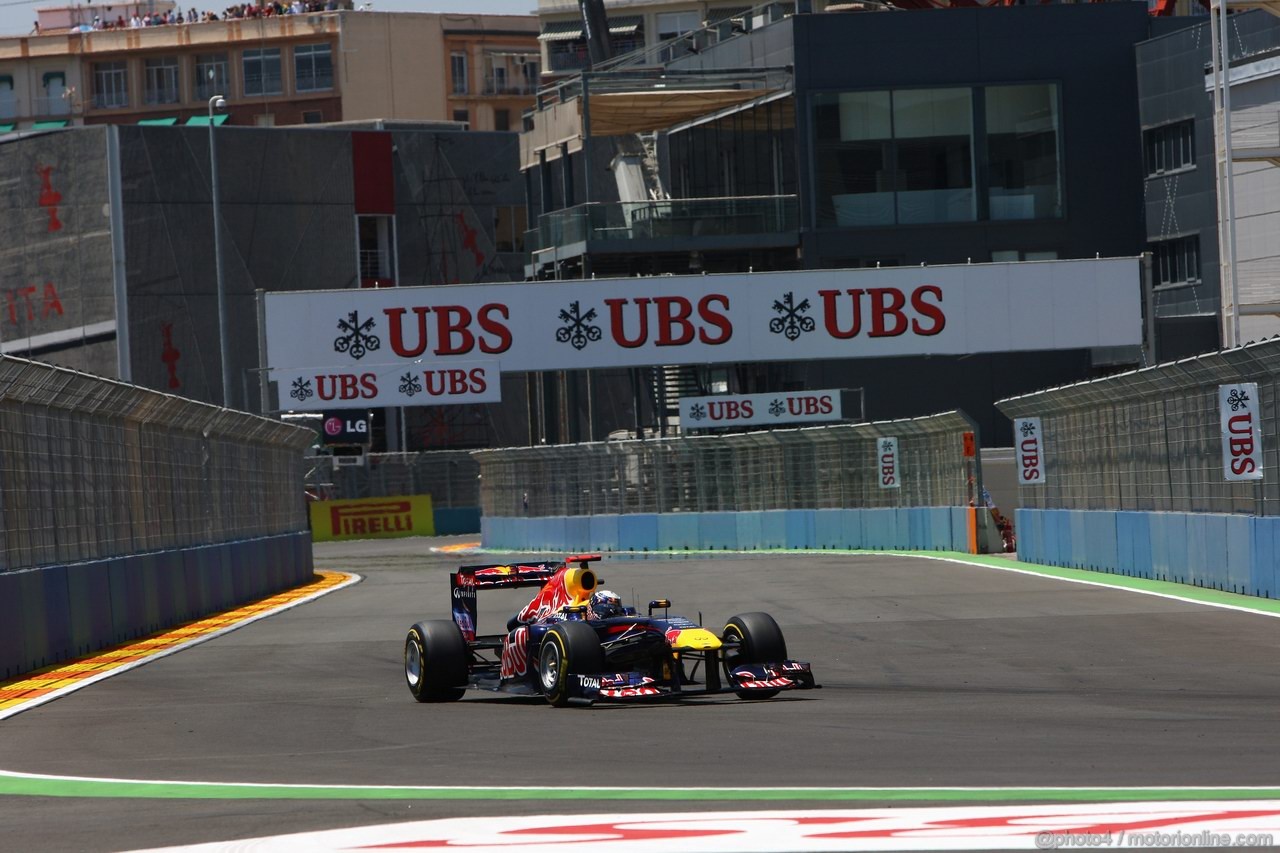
(124,511)
(1133,476)
(1233,553)
(895,529)
(802,488)
(450,477)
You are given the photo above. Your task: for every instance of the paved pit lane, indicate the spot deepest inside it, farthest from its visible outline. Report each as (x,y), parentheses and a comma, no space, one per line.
(936,675)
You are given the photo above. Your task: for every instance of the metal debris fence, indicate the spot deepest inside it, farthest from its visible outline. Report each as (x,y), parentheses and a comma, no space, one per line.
(1150,439)
(92,468)
(810,468)
(451,477)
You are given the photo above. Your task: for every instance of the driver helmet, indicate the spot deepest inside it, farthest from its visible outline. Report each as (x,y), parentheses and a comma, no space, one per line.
(605,604)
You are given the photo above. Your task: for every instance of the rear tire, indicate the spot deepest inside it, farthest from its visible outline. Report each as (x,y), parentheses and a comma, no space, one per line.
(568,649)
(759,641)
(436,661)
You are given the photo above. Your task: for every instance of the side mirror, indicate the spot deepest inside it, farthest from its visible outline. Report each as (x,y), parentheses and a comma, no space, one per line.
(664,603)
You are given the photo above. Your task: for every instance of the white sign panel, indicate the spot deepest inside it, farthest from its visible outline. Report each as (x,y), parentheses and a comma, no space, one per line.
(1238,408)
(783,316)
(734,410)
(373,385)
(887,463)
(1028,442)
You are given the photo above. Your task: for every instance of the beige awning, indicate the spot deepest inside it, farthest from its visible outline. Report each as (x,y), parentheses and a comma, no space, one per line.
(618,113)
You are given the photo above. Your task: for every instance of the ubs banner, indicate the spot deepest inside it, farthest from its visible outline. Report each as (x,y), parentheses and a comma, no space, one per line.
(1238,408)
(372,518)
(1028,443)
(782,407)
(376,335)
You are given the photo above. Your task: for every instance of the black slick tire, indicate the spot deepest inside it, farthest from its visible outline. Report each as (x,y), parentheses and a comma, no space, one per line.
(759,640)
(435,661)
(568,650)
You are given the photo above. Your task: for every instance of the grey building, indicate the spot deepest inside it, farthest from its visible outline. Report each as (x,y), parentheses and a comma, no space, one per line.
(885,138)
(109,244)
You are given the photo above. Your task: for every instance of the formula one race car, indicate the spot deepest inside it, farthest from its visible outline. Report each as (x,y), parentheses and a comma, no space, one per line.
(575,644)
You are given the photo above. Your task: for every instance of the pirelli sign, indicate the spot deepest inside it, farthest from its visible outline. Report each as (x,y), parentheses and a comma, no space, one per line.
(372,518)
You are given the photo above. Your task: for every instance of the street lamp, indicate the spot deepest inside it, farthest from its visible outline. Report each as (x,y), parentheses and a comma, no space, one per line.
(217,102)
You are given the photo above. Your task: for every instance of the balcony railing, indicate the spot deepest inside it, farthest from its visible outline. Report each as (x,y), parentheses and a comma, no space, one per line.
(110,100)
(262,84)
(317,82)
(509,86)
(687,219)
(53,106)
(162,95)
(206,89)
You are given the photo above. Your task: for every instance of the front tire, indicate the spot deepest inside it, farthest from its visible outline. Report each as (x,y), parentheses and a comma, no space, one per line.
(435,661)
(759,640)
(568,649)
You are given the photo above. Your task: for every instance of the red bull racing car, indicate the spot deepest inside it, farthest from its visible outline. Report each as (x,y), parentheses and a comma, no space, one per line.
(575,643)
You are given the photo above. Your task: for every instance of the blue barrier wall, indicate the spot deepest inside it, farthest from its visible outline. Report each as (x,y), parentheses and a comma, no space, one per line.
(908,529)
(1233,553)
(55,613)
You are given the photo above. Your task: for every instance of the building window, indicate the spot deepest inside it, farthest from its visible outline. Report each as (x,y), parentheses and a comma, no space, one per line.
(211,76)
(375,249)
(458,70)
(313,67)
(673,25)
(262,71)
(502,119)
(895,157)
(110,85)
(1176,263)
(909,156)
(509,224)
(8,103)
(1022,152)
(161,80)
(1004,255)
(1170,148)
(312,117)
(462,115)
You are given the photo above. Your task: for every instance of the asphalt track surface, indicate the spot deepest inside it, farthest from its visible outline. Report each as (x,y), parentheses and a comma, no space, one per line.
(934,673)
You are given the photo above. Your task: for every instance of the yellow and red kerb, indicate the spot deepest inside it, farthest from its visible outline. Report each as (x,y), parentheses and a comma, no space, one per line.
(31,687)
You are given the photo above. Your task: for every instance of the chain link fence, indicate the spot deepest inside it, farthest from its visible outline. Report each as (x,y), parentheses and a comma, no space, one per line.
(1150,439)
(812,468)
(451,477)
(91,468)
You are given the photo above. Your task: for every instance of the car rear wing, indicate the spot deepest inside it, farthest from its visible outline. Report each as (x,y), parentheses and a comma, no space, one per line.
(467,579)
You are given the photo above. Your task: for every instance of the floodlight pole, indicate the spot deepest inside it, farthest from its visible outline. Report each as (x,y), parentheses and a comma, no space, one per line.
(1224,171)
(217,102)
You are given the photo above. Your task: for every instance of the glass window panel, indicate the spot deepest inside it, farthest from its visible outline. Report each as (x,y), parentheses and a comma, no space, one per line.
(921,113)
(313,68)
(210,75)
(262,72)
(1023,152)
(864,115)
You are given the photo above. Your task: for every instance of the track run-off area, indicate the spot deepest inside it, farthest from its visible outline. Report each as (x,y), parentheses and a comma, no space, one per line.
(967,703)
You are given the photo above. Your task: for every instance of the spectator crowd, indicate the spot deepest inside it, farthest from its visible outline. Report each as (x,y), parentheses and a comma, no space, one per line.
(231,13)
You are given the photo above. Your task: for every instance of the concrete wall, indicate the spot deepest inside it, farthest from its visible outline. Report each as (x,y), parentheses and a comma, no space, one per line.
(915,528)
(1234,553)
(55,613)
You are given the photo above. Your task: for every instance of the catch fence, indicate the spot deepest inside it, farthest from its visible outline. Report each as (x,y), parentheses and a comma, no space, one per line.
(451,477)
(92,468)
(811,468)
(1150,440)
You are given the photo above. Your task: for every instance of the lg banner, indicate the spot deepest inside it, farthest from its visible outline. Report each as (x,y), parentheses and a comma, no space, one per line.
(887,463)
(1238,408)
(786,316)
(375,385)
(759,409)
(1028,443)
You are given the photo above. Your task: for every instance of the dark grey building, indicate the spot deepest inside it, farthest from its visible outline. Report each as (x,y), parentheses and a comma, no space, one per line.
(893,138)
(109,244)
(1181,192)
